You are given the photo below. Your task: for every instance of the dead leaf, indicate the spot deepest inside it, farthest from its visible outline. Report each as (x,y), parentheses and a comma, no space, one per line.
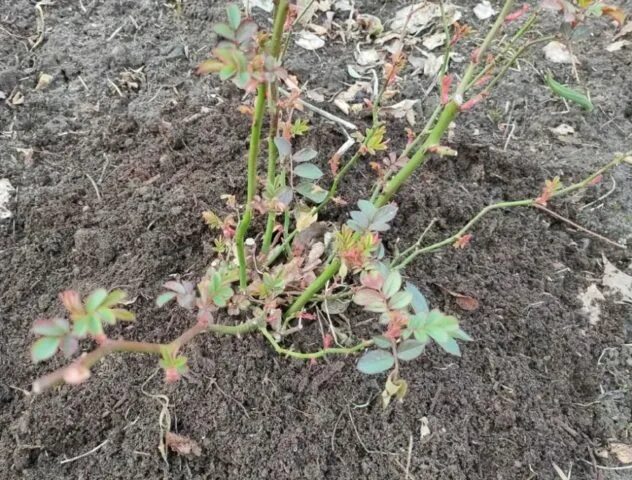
(353,73)
(304,219)
(627,28)
(44,81)
(433,41)
(367,57)
(317,29)
(467,303)
(616,13)
(265,5)
(562,129)
(343,6)
(17,98)
(622,451)
(618,45)
(6,189)
(432,64)
(315,95)
(306,11)
(182,445)
(557,52)
(484,10)
(403,109)
(424,429)
(309,40)
(590,306)
(617,281)
(422,16)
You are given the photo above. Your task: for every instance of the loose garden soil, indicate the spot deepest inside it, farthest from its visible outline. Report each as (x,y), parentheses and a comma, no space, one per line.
(112,196)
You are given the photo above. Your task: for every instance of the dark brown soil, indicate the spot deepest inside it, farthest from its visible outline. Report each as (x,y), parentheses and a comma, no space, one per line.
(540,385)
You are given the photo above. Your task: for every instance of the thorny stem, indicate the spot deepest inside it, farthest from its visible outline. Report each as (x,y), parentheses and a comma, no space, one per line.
(531,202)
(471,68)
(313,355)
(273,154)
(253,153)
(448,114)
(112,346)
(519,34)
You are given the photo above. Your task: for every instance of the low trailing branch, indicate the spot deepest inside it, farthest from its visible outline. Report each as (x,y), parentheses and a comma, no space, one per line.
(531,202)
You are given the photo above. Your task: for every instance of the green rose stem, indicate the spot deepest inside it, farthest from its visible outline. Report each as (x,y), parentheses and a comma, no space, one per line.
(273,88)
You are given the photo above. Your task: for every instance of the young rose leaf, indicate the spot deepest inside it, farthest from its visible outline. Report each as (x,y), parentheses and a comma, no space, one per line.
(95,299)
(312,192)
(359,221)
(80,327)
(69,345)
(222,295)
(234,16)
(375,361)
(165,298)
(392,284)
(55,327)
(175,287)
(382,342)
(114,298)
(123,315)
(442,329)
(371,300)
(419,302)
(208,66)
(308,170)
(224,30)
(367,208)
(410,349)
(44,348)
(400,300)
(94,325)
(372,279)
(304,155)
(246,32)
(106,315)
(283,147)
(382,216)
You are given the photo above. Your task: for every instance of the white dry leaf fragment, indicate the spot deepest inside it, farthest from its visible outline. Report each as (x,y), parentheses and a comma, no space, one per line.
(3,95)
(617,281)
(557,52)
(627,28)
(484,10)
(6,189)
(309,40)
(317,29)
(353,73)
(424,429)
(432,64)
(618,45)
(563,129)
(343,6)
(424,15)
(403,109)
(622,451)
(306,11)
(433,41)
(265,5)
(17,98)
(590,303)
(44,81)
(324,5)
(315,96)
(352,95)
(367,57)
(342,105)
(416,62)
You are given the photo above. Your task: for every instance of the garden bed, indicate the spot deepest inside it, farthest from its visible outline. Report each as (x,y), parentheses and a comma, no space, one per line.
(112,192)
